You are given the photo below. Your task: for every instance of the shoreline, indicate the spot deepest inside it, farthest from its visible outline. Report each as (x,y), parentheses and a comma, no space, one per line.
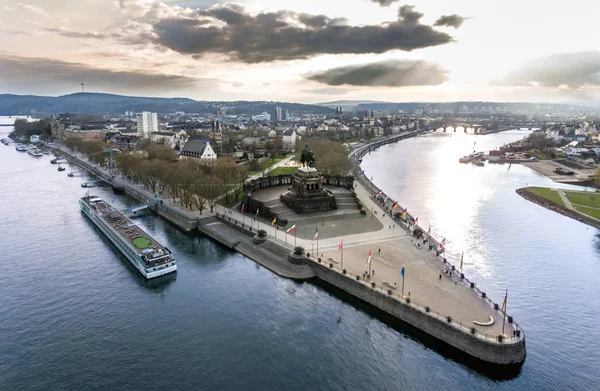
(531,197)
(225,228)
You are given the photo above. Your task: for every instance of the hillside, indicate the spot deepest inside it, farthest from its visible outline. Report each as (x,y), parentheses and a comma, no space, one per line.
(117,104)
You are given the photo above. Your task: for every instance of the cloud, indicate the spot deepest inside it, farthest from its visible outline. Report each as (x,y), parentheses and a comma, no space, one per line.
(573,70)
(328,91)
(74,34)
(287,35)
(35,74)
(384,3)
(392,73)
(450,21)
(35,9)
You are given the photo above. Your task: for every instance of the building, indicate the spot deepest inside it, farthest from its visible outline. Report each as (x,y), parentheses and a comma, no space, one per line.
(289,139)
(147,123)
(197,148)
(276,114)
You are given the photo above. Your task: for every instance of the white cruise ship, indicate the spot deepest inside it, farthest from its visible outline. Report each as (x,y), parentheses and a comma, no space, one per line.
(147,255)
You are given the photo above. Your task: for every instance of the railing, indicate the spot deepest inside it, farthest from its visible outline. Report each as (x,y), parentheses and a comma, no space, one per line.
(230,215)
(415,305)
(370,186)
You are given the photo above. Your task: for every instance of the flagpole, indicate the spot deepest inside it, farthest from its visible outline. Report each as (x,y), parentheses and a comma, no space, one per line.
(294,237)
(403,282)
(312,246)
(370,266)
(505,305)
(317,243)
(342,255)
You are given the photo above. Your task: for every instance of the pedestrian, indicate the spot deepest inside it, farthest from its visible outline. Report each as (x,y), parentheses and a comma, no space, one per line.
(373,272)
(379,251)
(440,276)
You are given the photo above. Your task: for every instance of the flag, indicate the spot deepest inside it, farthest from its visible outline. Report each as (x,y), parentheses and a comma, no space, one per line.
(402,272)
(416,220)
(291,229)
(243,208)
(427,235)
(395,205)
(362,172)
(274,221)
(316,236)
(257,212)
(461,259)
(379,194)
(341,245)
(403,213)
(386,198)
(504,302)
(371,177)
(442,244)
(369,258)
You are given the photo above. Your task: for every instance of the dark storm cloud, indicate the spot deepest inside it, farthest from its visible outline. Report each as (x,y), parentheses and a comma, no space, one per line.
(286,35)
(384,3)
(41,73)
(574,70)
(450,21)
(393,73)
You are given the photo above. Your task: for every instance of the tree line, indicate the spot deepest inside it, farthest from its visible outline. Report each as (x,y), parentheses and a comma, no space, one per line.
(194,183)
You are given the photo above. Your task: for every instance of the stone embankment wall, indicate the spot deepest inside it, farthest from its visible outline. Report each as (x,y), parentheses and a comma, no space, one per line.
(485,349)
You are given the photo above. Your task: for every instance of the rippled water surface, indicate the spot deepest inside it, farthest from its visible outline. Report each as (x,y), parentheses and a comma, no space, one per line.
(75,315)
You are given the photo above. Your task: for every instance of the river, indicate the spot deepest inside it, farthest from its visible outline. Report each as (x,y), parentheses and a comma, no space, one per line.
(75,315)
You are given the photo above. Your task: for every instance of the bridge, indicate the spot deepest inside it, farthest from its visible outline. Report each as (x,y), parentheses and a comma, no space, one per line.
(134,209)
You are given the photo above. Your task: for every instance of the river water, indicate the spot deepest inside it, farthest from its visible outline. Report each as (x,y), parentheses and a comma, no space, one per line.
(75,315)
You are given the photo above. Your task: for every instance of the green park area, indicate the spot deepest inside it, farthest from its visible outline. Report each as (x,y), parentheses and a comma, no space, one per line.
(283,170)
(586,202)
(549,194)
(584,198)
(595,213)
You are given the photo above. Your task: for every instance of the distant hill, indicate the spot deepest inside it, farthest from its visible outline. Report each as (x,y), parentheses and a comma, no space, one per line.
(110,104)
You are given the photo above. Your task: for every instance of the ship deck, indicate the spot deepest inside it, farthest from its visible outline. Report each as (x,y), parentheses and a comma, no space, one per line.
(137,238)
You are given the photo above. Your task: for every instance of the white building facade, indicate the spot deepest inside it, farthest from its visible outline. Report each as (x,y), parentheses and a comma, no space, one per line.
(147,123)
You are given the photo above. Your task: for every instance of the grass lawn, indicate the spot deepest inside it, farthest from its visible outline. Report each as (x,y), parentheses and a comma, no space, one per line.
(542,155)
(549,194)
(284,170)
(595,213)
(584,198)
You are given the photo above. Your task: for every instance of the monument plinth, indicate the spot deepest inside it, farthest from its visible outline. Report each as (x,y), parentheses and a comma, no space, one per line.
(306,193)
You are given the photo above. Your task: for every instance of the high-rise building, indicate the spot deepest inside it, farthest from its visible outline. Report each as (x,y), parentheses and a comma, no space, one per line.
(276,114)
(147,123)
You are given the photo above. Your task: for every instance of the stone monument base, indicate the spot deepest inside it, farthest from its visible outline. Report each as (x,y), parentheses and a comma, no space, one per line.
(306,194)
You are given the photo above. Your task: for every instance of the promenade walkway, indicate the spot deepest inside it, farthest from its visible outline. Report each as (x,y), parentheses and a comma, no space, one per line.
(448,296)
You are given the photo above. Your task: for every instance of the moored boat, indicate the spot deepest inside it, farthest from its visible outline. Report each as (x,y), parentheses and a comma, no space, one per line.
(21,147)
(34,151)
(144,252)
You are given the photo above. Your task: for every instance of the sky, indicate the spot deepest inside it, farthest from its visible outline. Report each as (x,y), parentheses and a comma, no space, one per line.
(305,50)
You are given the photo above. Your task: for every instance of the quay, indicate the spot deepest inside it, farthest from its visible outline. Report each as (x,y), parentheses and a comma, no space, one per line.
(437,299)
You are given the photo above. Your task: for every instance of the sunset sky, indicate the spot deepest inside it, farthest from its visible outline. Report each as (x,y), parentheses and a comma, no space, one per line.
(304,51)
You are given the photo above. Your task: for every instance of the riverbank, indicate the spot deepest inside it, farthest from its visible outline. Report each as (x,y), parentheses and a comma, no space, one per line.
(452,327)
(554,206)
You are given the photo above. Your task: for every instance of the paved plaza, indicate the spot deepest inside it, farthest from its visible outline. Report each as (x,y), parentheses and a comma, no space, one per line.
(392,247)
